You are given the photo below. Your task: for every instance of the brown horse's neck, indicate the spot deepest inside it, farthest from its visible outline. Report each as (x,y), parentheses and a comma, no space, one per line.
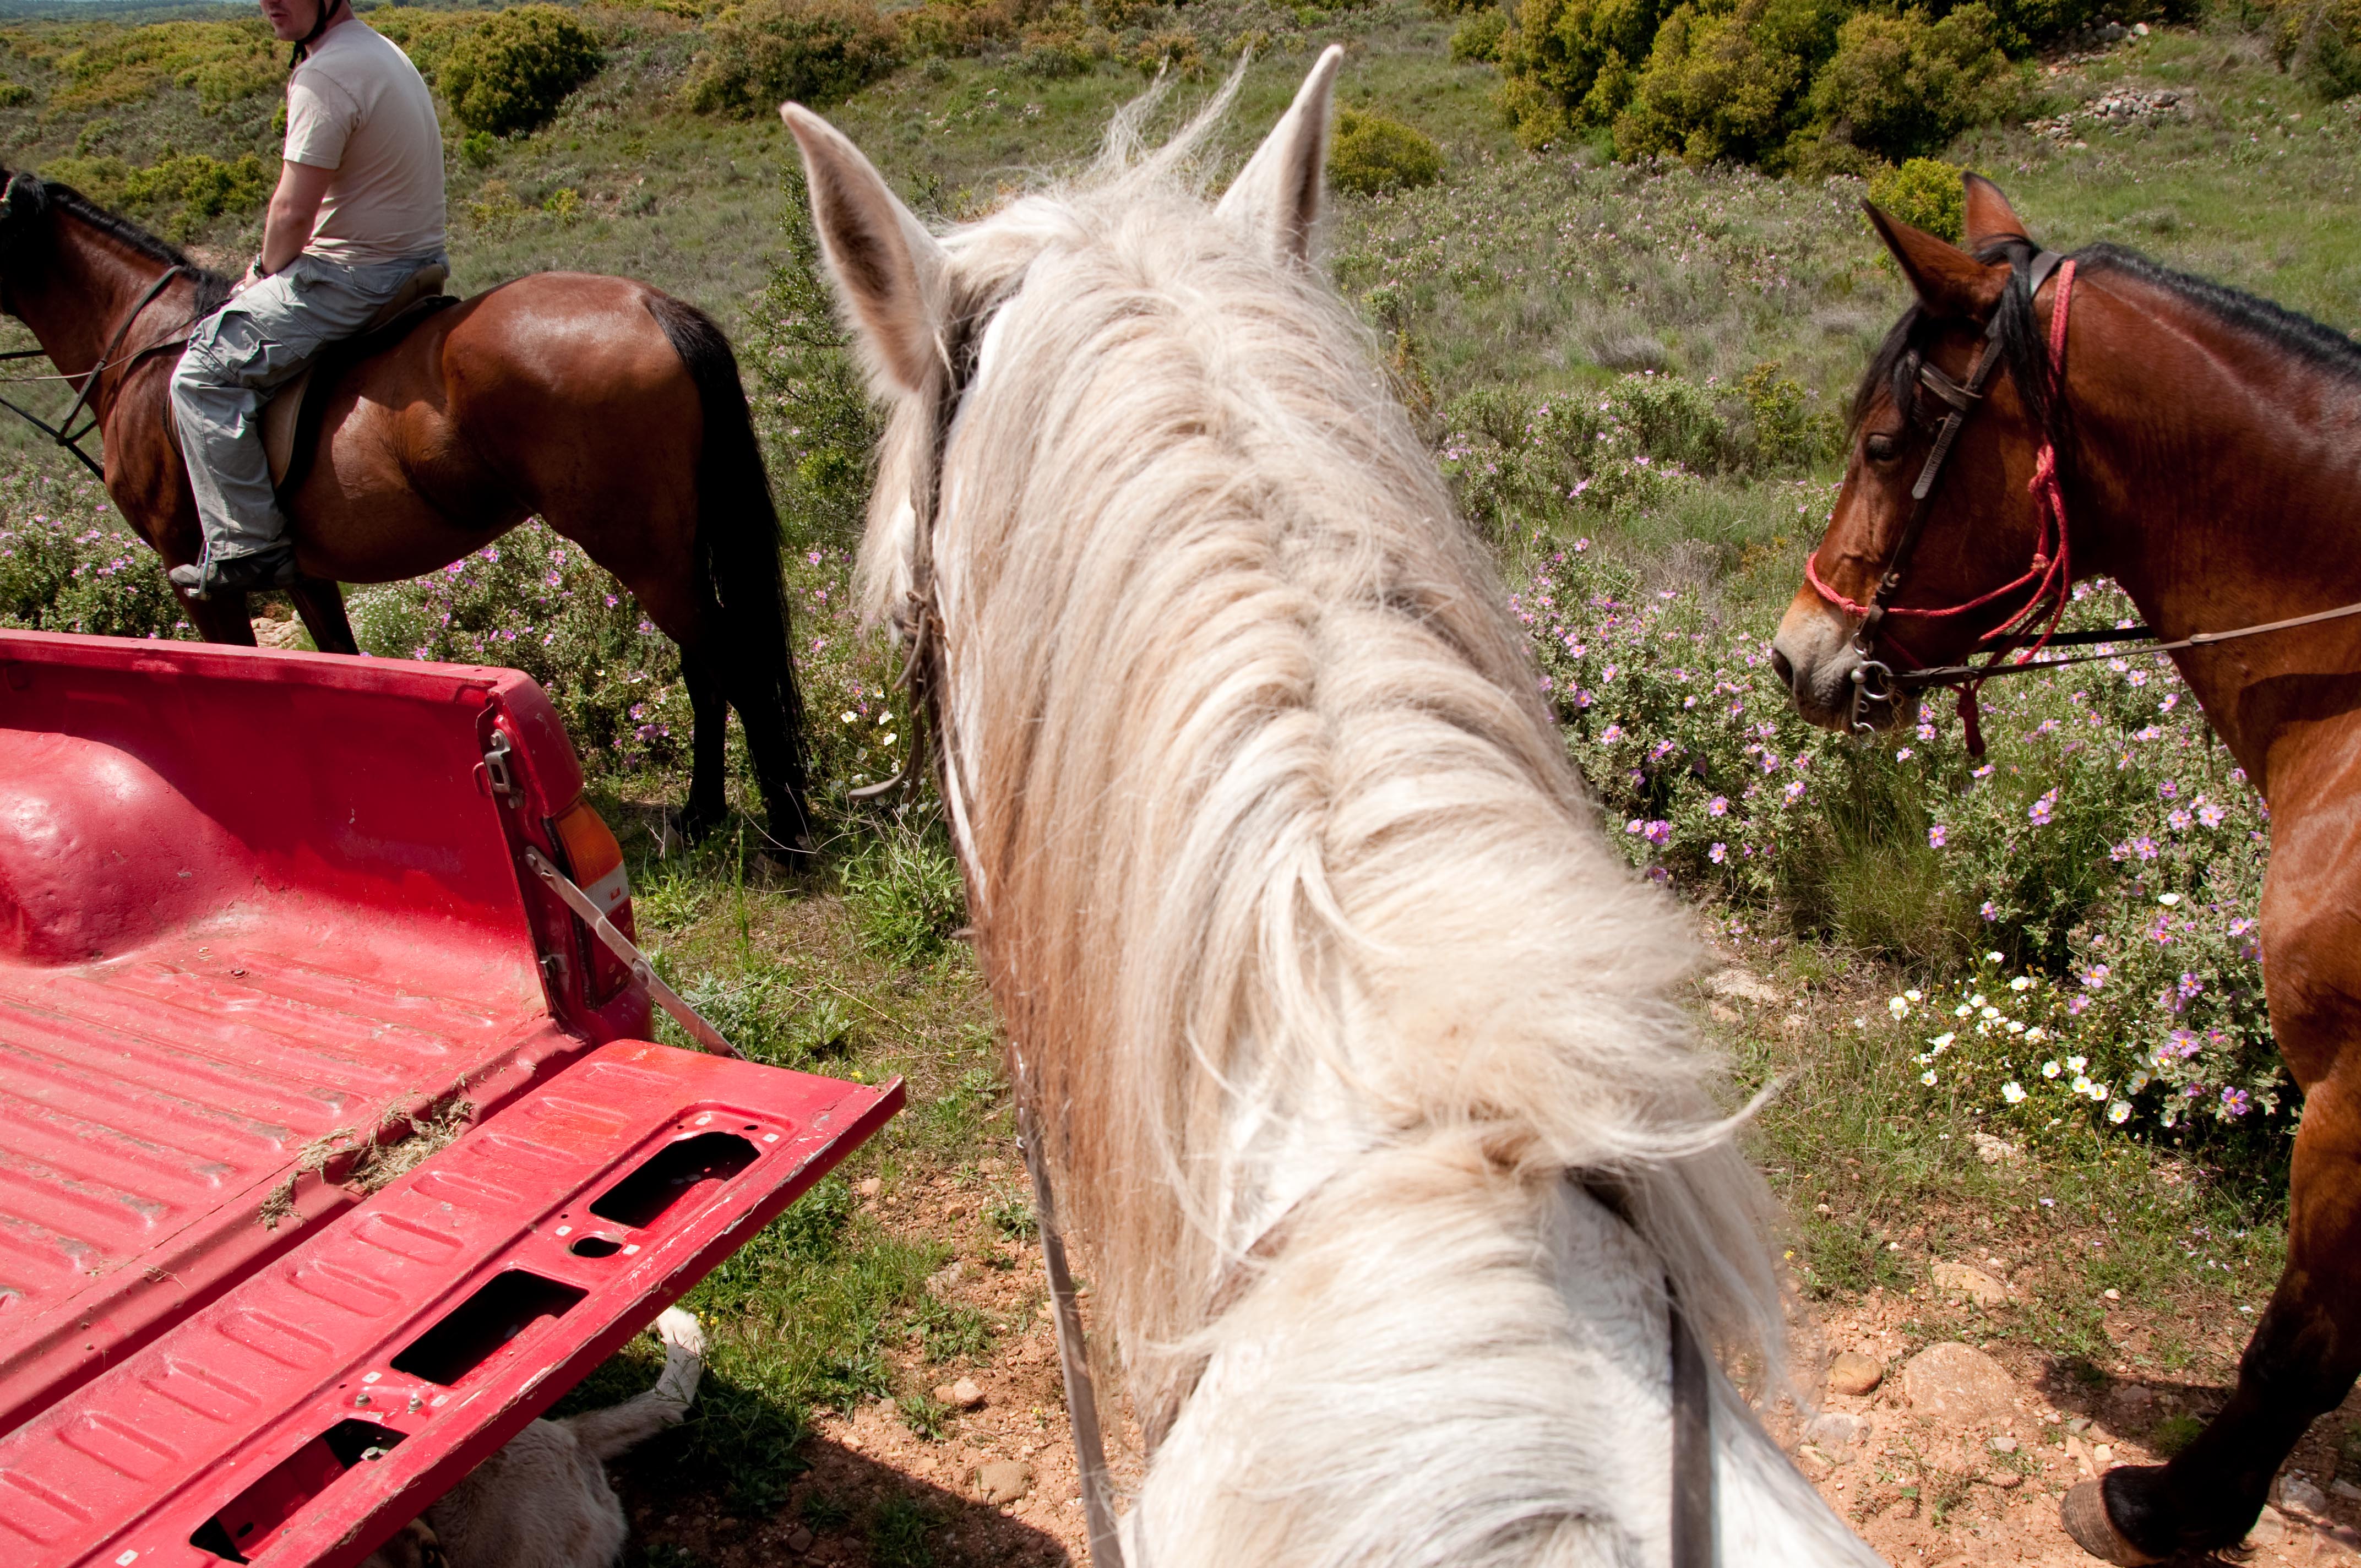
(2217,477)
(74,285)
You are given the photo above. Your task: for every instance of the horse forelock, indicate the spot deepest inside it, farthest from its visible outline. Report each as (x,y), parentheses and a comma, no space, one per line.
(1280,860)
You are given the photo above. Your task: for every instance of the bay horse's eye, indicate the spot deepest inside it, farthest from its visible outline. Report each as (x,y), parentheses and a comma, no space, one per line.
(1880,447)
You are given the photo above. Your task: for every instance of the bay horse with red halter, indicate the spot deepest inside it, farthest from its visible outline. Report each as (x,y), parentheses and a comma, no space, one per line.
(2202,448)
(610,410)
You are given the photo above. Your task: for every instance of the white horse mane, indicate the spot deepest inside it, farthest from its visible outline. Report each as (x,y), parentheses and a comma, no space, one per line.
(1318,970)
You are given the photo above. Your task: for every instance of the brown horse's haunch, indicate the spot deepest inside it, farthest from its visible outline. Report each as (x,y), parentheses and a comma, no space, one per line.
(2210,450)
(611,411)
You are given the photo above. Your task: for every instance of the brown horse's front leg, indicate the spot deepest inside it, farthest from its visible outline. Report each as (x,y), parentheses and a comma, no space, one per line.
(2307,1350)
(321,603)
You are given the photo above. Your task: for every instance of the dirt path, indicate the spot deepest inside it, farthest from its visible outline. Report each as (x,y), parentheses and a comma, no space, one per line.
(1957,1456)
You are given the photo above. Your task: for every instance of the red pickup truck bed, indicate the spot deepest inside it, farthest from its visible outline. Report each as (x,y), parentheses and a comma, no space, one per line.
(258,912)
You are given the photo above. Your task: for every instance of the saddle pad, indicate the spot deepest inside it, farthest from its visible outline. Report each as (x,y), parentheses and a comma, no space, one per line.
(283,417)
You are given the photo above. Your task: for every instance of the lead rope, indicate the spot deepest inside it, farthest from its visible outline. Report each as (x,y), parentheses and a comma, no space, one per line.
(1073,1357)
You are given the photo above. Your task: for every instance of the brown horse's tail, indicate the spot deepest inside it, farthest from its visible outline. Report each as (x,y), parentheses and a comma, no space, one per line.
(738,568)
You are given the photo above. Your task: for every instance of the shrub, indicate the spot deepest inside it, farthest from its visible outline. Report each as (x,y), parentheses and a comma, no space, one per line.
(512,69)
(1727,85)
(1900,86)
(2320,40)
(15,95)
(1482,37)
(2104,864)
(815,51)
(1786,430)
(1613,454)
(177,194)
(1570,63)
(1372,153)
(1926,194)
(67,564)
(220,62)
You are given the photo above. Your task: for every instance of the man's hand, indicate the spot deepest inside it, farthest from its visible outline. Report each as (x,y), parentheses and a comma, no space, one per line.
(295,207)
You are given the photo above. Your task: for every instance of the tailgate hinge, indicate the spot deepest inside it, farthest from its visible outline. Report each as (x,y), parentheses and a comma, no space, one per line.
(574,898)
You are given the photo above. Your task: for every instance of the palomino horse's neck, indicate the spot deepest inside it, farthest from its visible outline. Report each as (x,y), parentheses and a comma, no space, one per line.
(74,288)
(2218,479)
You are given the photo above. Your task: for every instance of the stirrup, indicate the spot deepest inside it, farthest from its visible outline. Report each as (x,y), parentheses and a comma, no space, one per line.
(271,567)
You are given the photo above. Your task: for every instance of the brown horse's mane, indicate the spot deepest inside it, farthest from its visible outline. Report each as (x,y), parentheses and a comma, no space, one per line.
(1896,367)
(55,195)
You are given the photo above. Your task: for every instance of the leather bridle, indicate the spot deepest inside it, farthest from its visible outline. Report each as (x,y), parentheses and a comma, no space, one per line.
(2049,578)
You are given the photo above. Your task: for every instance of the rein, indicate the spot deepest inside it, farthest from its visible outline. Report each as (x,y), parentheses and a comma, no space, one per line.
(921,676)
(1875,683)
(62,433)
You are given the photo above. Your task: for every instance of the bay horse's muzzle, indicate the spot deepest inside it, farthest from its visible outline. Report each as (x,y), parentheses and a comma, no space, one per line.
(1834,686)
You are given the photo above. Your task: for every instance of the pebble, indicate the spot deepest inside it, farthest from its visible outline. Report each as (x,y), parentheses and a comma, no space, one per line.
(1742,985)
(1852,1372)
(1993,1150)
(869,1186)
(966,1395)
(1003,1480)
(1836,1430)
(800,1541)
(2297,1492)
(1959,1386)
(1959,1279)
(2347,1490)
(2004,1445)
(2006,1480)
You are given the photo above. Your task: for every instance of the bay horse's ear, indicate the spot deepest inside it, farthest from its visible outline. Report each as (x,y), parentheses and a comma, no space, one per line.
(1277,195)
(1950,284)
(887,268)
(1989,216)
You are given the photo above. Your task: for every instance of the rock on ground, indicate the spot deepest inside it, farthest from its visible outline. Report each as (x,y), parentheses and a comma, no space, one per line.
(1958,1386)
(1959,1279)
(1851,1372)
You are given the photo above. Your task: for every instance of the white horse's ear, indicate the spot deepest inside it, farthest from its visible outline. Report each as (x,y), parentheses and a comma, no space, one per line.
(1277,194)
(887,268)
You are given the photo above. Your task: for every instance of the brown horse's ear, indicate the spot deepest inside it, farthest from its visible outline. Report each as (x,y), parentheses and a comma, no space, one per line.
(1277,195)
(1950,284)
(1989,216)
(887,268)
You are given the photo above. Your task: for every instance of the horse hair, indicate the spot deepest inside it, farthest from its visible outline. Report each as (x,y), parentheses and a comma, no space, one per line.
(52,196)
(1314,958)
(2025,350)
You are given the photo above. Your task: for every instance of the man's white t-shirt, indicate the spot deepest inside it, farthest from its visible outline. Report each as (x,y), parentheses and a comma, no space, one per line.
(356,104)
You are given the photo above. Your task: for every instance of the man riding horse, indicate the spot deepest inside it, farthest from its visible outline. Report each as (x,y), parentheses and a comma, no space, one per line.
(357,215)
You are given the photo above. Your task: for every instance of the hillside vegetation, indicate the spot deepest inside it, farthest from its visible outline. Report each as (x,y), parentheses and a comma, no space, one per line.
(1610,252)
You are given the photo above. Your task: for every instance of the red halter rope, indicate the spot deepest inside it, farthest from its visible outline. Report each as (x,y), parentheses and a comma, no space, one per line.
(2050,575)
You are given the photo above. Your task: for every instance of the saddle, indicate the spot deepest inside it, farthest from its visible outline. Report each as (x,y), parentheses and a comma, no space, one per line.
(291,419)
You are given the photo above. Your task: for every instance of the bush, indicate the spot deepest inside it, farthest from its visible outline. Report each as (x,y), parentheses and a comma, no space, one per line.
(2104,864)
(2320,41)
(177,194)
(1570,63)
(220,62)
(1482,37)
(1727,85)
(1925,192)
(1372,153)
(512,69)
(1901,86)
(815,51)
(67,564)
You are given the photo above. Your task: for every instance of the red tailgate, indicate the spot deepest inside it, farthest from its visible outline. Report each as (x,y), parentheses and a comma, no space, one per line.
(308,1413)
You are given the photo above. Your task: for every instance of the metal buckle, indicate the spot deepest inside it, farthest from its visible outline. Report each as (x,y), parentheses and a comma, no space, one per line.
(1865,693)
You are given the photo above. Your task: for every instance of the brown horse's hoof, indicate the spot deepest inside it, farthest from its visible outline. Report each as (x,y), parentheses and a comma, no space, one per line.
(2084,1514)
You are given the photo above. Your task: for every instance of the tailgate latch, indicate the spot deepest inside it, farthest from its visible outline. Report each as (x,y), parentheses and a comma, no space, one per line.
(671,1000)
(496,766)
